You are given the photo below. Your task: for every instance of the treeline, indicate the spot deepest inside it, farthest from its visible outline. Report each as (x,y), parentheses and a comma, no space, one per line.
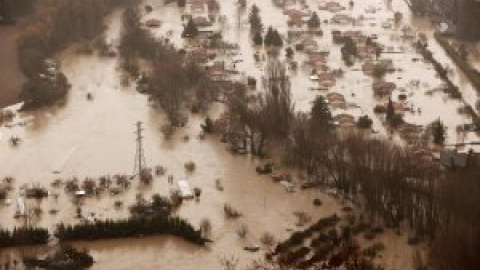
(172,76)
(23,237)
(451,89)
(132,227)
(464,15)
(395,184)
(457,241)
(56,25)
(472,74)
(11,9)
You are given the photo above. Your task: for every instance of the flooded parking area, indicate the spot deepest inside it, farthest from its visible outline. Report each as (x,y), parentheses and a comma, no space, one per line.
(83,137)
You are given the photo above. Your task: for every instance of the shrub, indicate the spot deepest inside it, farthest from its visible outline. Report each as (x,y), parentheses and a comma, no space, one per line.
(379,71)
(267,239)
(379,109)
(190,166)
(317,202)
(242,231)
(230,212)
(197,191)
(364,122)
(205,227)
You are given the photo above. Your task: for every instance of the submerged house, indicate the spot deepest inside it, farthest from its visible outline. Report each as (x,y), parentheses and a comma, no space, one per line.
(453,159)
(383,88)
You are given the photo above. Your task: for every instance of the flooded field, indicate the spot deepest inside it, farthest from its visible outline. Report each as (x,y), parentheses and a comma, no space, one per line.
(91,138)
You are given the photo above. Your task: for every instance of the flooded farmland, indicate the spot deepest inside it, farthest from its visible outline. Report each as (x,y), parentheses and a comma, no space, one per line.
(81,137)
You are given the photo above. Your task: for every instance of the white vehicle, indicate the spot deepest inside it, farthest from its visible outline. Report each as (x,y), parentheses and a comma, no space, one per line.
(289,187)
(184,188)
(20,211)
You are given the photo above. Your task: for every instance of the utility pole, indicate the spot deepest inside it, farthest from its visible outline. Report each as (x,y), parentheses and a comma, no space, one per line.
(139,154)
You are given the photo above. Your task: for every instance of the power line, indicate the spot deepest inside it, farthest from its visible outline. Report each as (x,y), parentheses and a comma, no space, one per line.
(139,161)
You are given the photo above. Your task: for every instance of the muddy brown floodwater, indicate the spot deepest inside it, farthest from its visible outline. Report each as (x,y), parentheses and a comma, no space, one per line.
(94,138)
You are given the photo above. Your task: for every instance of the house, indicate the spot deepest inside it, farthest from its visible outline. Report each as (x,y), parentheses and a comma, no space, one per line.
(197,8)
(383,88)
(344,120)
(217,70)
(296,22)
(337,36)
(409,132)
(368,67)
(327,80)
(398,107)
(296,14)
(451,158)
(152,23)
(331,6)
(202,21)
(310,45)
(335,99)
(341,19)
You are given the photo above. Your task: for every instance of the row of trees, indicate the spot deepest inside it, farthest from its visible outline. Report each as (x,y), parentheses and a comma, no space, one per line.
(10,9)
(59,24)
(132,227)
(56,25)
(463,14)
(23,237)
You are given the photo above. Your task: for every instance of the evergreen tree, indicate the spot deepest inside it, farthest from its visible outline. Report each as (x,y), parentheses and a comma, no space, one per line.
(190,30)
(438,132)
(314,21)
(258,39)
(390,111)
(269,36)
(320,113)
(255,20)
(273,38)
(349,47)
(277,39)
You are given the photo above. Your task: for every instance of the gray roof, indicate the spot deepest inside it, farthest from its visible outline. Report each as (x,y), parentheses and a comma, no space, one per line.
(450,158)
